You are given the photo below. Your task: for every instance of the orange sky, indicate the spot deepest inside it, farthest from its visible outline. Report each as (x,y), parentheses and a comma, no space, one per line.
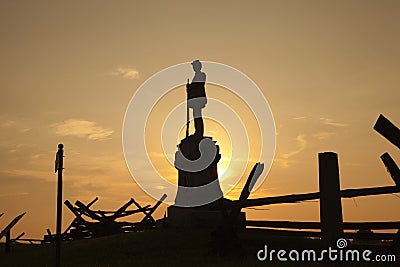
(68,71)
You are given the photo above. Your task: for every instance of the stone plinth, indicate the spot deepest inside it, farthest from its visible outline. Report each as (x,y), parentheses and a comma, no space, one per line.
(196,161)
(178,217)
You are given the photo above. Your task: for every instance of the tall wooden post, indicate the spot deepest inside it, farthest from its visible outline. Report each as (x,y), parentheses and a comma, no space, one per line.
(8,241)
(59,168)
(330,200)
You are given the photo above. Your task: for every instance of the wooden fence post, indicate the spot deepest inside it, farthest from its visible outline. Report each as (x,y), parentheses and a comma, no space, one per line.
(8,241)
(59,167)
(330,199)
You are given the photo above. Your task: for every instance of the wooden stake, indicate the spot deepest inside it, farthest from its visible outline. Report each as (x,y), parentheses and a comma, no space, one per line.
(59,168)
(388,130)
(391,167)
(8,241)
(330,201)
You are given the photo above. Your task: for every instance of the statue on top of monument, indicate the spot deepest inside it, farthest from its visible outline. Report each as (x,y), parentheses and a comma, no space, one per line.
(198,155)
(196,98)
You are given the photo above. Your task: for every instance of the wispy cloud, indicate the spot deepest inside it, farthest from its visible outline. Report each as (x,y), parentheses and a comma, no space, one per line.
(323,135)
(82,128)
(284,159)
(302,145)
(15,125)
(331,122)
(299,118)
(23,175)
(14,194)
(126,72)
(8,123)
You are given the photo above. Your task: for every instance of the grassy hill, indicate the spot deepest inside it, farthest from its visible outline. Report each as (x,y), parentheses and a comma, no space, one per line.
(161,247)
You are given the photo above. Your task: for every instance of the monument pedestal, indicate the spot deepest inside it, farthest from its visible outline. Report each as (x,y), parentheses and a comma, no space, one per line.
(199,202)
(198,217)
(196,161)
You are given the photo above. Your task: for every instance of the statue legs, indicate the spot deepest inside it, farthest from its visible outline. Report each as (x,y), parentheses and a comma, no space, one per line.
(198,122)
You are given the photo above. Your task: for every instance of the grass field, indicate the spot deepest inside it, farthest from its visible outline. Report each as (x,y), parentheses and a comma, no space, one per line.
(163,247)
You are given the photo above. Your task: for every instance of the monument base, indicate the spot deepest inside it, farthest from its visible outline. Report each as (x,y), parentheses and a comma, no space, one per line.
(198,217)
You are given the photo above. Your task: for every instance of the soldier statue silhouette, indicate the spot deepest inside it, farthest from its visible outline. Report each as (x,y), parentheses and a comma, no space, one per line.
(196,99)
(197,155)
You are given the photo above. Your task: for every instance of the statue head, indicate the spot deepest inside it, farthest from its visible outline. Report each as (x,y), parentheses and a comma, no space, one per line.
(196,65)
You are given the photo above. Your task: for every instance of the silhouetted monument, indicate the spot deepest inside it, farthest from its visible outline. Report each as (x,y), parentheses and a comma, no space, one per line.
(197,156)
(196,99)
(199,198)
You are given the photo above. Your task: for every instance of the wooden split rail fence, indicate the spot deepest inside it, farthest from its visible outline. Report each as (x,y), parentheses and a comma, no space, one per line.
(331,225)
(90,223)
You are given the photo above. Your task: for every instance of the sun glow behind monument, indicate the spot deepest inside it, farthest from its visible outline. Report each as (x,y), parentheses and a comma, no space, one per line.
(234,102)
(166,126)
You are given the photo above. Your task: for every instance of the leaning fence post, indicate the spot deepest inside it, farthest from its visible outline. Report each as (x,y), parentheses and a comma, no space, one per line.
(8,241)
(388,130)
(330,199)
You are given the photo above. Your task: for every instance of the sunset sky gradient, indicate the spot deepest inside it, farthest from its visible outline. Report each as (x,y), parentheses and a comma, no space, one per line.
(68,71)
